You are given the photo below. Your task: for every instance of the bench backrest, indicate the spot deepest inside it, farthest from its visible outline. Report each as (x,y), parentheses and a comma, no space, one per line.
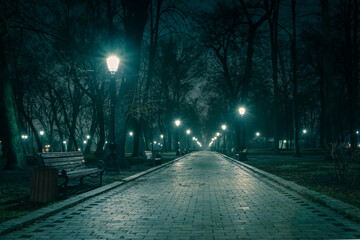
(68,161)
(148,154)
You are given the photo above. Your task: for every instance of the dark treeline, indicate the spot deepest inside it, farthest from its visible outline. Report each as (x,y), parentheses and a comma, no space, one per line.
(292,64)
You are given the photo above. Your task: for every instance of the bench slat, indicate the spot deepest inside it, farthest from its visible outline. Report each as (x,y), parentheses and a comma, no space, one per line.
(60,154)
(72,159)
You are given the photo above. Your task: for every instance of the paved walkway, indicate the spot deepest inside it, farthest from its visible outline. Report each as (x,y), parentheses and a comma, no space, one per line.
(202,196)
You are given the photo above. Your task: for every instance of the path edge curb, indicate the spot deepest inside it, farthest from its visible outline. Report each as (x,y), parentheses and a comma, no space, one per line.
(17,223)
(342,208)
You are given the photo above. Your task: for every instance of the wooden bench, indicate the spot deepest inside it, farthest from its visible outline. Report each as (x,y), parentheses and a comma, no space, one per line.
(153,160)
(242,155)
(70,165)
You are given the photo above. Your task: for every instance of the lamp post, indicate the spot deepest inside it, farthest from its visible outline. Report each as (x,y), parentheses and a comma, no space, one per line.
(217,138)
(223,127)
(41,139)
(111,164)
(188,139)
(242,111)
(177,123)
(163,142)
(131,133)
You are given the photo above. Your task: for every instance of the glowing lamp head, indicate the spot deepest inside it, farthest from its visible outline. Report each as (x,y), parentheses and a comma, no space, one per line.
(42,133)
(304,131)
(162,136)
(177,122)
(257,134)
(188,131)
(113,63)
(131,133)
(223,127)
(242,111)
(217,134)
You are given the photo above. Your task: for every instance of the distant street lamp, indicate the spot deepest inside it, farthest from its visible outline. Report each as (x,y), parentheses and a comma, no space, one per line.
(188,138)
(111,164)
(257,134)
(163,142)
(242,111)
(131,133)
(304,131)
(218,140)
(41,139)
(65,146)
(177,123)
(223,127)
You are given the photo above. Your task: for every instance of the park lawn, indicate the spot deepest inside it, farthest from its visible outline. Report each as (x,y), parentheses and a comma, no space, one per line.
(313,172)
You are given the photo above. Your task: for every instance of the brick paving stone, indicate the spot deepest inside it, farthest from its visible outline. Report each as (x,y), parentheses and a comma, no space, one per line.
(201,196)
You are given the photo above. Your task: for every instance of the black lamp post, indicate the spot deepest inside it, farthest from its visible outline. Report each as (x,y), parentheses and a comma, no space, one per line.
(177,123)
(242,111)
(188,139)
(224,128)
(111,166)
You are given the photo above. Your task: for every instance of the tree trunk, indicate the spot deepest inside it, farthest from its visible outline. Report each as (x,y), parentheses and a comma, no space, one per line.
(274,49)
(9,131)
(295,83)
(328,74)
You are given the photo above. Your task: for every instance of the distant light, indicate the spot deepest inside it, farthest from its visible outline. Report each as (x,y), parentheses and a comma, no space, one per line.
(193,138)
(131,133)
(79,149)
(304,131)
(88,136)
(84,141)
(285,141)
(257,134)
(177,122)
(188,131)
(217,134)
(242,111)
(223,127)
(41,133)
(162,136)
(113,63)
(357,132)
(154,142)
(106,142)
(64,142)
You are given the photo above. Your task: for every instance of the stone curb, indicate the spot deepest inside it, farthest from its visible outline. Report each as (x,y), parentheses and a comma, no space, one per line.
(343,208)
(14,224)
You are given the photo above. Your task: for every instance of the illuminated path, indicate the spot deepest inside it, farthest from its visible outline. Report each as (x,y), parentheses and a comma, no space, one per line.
(202,196)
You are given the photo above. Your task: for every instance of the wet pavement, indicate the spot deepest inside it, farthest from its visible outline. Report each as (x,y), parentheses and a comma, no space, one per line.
(201,196)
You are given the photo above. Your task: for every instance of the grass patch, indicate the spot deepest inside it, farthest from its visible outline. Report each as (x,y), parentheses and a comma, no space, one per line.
(313,172)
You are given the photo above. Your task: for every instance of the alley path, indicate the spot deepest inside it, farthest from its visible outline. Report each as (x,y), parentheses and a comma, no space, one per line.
(201,196)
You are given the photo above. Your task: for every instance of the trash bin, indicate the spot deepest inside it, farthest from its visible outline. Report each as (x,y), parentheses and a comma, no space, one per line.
(44,186)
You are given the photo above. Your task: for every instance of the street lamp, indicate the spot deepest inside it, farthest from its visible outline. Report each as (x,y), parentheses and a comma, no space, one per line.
(257,134)
(177,123)
(188,139)
(111,164)
(163,142)
(131,133)
(41,139)
(223,127)
(304,131)
(242,111)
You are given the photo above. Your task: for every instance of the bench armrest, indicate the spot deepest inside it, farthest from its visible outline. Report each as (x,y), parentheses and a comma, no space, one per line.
(101,164)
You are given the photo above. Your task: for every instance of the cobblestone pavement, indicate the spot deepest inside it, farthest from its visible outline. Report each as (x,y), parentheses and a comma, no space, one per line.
(202,196)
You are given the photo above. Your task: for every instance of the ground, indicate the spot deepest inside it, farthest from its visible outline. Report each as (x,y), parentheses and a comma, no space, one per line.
(201,196)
